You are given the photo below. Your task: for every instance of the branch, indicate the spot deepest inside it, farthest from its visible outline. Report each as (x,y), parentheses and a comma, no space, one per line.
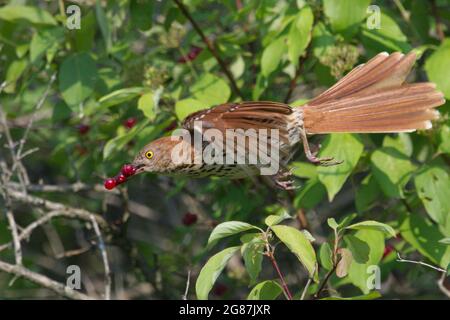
(64,210)
(101,246)
(270,255)
(74,187)
(43,281)
(442,286)
(211,47)
(184,297)
(400,259)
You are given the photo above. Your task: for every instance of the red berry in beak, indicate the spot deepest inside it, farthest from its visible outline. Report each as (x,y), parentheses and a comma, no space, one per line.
(129,123)
(189,219)
(121,178)
(128,170)
(110,183)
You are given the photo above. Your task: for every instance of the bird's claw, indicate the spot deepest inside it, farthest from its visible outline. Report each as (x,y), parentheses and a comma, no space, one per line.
(325,161)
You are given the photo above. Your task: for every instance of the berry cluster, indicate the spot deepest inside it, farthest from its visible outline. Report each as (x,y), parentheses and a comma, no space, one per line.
(127,171)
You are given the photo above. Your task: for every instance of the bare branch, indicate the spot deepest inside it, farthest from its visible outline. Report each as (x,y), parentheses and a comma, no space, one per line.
(184,297)
(64,210)
(74,187)
(43,281)
(102,248)
(400,259)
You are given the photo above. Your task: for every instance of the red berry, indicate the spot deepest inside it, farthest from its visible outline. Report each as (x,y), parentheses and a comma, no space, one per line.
(189,218)
(121,178)
(83,129)
(128,170)
(220,289)
(110,183)
(130,122)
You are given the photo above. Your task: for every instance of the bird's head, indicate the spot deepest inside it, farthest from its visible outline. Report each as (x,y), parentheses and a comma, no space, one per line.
(157,156)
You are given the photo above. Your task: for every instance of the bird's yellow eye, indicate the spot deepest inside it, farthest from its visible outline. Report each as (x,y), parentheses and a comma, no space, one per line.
(149,154)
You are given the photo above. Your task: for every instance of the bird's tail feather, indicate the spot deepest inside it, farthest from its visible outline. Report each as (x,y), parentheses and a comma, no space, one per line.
(373,98)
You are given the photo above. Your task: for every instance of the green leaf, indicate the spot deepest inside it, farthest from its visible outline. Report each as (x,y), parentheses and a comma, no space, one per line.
(15,71)
(77,78)
(344,147)
(402,142)
(141,12)
(185,107)
(276,219)
(211,90)
(300,34)
(322,39)
(392,170)
(311,194)
(271,56)
(102,21)
(211,271)
(445,241)
(358,248)
(435,66)
(373,225)
(118,143)
(370,296)
(227,229)
(267,290)
(332,224)
(432,184)
(425,237)
(146,104)
(304,170)
(252,253)
(357,273)
(44,40)
(444,133)
(367,193)
(119,96)
(345,15)
(388,37)
(299,245)
(35,15)
(325,254)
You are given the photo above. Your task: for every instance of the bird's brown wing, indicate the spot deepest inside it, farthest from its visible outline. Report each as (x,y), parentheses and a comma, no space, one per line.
(245,115)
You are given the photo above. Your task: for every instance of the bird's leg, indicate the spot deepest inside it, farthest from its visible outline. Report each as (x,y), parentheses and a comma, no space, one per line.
(283,180)
(326,161)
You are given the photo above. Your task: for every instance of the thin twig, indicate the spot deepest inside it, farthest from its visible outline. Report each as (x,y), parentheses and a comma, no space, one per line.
(65,210)
(74,187)
(15,236)
(325,281)
(211,48)
(307,285)
(39,104)
(400,259)
(442,286)
(43,281)
(102,248)
(184,297)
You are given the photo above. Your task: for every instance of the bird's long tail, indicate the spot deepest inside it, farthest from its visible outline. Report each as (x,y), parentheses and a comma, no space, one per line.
(374,98)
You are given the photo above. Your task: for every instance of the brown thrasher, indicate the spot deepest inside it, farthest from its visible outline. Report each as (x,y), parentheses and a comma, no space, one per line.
(372,98)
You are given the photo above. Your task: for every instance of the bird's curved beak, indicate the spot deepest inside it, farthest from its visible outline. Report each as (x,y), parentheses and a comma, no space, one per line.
(138,165)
